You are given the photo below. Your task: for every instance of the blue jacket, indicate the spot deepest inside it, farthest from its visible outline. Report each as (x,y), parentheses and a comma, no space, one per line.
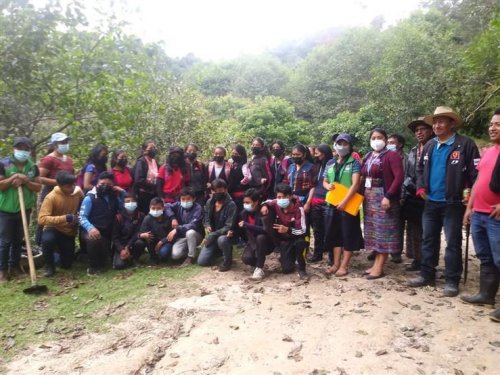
(187,219)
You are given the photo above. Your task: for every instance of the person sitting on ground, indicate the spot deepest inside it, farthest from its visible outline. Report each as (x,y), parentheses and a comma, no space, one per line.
(127,246)
(98,209)
(154,230)
(59,217)
(17,170)
(259,241)
(219,220)
(187,226)
(289,228)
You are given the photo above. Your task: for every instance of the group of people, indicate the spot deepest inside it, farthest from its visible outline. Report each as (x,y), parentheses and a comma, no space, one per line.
(268,202)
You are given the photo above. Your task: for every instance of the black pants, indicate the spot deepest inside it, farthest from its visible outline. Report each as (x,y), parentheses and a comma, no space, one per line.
(317,217)
(291,252)
(53,239)
(143,201)
(98,251)
(136,251)
(256,250)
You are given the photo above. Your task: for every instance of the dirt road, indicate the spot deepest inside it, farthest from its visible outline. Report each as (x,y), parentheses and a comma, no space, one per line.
(223,323)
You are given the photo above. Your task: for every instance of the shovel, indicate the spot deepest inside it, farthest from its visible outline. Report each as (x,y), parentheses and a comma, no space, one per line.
(466,260)
(34,288)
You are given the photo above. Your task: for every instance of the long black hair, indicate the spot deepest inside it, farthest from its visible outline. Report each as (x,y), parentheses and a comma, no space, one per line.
(325,150)
(94,157)
(181,161)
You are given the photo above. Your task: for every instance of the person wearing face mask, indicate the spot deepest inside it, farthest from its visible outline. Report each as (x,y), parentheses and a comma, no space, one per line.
(343,231)
(323,156)
(16,170)
(95,165)
(259,169)
(127,246)
(396,142)
(58,216)
(145,176)
(198,172)
(121,170)
(381,179)
(154,230)
(219,220)
(257,229)
(187,226)
(98,209)
(279,164)
(55,161)
(288,228)
(218,167)
(239,169)
(172,176)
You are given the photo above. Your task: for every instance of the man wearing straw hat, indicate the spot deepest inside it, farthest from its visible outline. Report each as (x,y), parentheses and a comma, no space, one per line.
(446,168)
(16,170)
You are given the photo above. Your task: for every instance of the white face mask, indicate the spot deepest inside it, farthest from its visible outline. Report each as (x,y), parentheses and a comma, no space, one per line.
(341,150)
(63,148)
(377,144)
(130,206)
(156,213)
(392,147)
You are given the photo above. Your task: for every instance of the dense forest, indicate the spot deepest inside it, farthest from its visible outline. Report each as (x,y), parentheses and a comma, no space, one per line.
(102,85)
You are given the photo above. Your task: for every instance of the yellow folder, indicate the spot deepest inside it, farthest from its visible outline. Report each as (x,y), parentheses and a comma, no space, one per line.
(335,196)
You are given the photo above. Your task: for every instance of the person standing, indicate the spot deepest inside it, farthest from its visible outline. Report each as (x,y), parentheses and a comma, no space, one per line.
(172,176)
(122,172)
(447,167)
(483,214)
(16,170)
(198,172)
(382,176)
(258,167)
(145,175)
(96,164)
(413,205)
(279,164)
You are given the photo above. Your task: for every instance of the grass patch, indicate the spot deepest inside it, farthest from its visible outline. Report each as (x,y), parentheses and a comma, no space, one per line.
(76,303)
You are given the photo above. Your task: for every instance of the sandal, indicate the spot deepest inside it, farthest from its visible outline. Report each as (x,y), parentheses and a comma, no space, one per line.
(331,270)
(341,274)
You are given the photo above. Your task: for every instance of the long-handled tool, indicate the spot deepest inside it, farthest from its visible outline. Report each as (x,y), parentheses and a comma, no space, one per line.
(34,288)
(466,260)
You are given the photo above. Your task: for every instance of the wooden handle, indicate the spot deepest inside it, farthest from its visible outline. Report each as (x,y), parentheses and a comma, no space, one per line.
(31,263)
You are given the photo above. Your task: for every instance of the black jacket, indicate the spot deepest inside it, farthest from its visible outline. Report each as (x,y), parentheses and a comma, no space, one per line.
(460,168)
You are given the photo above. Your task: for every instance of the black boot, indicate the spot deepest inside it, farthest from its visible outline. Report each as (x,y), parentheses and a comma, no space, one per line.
(49,270)
(489,278)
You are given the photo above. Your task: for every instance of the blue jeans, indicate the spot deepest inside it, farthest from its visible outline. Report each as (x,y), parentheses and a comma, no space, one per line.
(438,215)
(165,251)
(11,237)
(223,245)
(486,236)
(52,239)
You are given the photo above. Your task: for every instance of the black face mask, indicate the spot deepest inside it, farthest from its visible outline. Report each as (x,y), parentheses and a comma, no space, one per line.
(278,152)
(122,163)
(103,160)
(152,153)
(237,158)
(256,150)
(219,159)
(192,156)
(298,161)
(103,190)
(176,160)
(219,196)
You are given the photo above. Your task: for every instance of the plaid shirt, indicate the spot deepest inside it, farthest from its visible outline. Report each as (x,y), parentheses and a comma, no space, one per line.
(301,180)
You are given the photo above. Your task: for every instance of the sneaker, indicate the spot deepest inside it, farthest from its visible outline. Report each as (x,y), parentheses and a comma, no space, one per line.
(49,271)
(258,274)
(224,267)
(91,271)
(413,266)
(187,262)
(302,275)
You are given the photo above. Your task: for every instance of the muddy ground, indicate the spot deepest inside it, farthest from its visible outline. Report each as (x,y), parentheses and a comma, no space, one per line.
(224,323)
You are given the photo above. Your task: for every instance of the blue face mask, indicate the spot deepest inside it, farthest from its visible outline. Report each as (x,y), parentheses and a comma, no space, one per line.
(63,148)
(391,147)
(21,155)
(130,206)
(248,207)
(187,205)
(283,203)
(156,213)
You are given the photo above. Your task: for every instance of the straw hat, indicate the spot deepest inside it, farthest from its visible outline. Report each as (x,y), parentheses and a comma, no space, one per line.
(420,121)
(444,112)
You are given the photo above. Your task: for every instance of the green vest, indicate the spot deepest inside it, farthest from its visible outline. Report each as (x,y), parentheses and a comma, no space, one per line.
(9,198)
(345,172)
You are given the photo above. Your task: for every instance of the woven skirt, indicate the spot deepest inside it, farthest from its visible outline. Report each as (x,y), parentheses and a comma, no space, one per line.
(381,227)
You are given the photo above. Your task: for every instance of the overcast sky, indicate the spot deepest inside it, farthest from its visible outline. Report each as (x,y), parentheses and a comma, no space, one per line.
(223,29)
